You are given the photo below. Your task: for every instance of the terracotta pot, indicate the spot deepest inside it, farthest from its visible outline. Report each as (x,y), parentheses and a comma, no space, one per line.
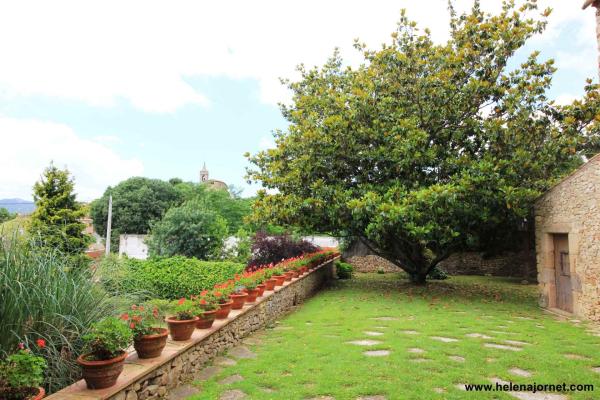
(224,310)
(261,289)
(278,279)
(289,275)
(297,273)
(40,394)
(270,284)
(151,346)
(252,294)
(102,373)
(206,319)
(181,330)
(238,300)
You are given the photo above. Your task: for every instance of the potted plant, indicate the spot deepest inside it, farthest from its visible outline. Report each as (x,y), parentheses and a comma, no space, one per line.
(183,323)
(207,307)
(221,294)
(106,343)
(270,281)
(149,340)
(278,275)
(238,296)
(21,375)
(249,282)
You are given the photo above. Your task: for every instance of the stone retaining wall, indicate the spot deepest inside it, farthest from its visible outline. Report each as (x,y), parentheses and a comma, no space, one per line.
(182,361)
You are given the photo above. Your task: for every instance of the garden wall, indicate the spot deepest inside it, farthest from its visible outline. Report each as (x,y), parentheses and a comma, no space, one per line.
(182,361)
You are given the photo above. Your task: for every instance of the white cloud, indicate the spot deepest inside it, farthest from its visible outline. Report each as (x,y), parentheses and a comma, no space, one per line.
(28,146)
(143,51)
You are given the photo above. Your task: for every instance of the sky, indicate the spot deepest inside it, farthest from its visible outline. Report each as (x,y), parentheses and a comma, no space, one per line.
(114,89)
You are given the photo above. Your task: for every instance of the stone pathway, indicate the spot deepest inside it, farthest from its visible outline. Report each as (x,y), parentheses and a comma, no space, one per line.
(502,347)
(183,392)
(241,352)
(372,333)
(520,372)
(224,362)
(366,342)
(377,353)
(233,395)
(478,336)
(231,379)
(444,339)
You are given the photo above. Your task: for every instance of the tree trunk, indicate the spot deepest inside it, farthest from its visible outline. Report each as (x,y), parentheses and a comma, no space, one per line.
(418,278)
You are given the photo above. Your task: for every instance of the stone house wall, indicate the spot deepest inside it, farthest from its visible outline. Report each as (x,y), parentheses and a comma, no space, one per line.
(182,362)
(572,207)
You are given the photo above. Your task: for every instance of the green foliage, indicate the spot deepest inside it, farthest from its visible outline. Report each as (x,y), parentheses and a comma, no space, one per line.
(5,215)
(185,310)
(43,296)
(229,205)
(56,219)
(344,270)
(189,230)
(107,339)
(22,370)
(426,149)
(137,203)
(437,273)
(169,278)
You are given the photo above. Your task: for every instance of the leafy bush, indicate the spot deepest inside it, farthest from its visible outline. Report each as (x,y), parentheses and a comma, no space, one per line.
(438,273)
(170,278)
(272,249)
(107,339)
(189,230)
(344,270)
(43,297)
(20,375)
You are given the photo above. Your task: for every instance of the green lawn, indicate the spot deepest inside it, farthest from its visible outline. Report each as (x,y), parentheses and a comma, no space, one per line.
(307,354)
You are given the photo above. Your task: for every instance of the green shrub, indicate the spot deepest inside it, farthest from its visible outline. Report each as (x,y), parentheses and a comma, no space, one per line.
(381,271)
(344,270)
(43,297)
(108,339)
(169,278)
(20,375)
(438,273)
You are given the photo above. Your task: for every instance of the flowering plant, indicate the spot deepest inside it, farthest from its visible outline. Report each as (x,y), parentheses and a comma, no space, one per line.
(248,281)
(206,301)
(185,309)
(142,320)
(221,292)
(21,373)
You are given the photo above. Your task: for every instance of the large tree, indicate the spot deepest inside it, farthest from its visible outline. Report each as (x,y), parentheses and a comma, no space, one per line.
(137,203)
(56,219)
(426,148)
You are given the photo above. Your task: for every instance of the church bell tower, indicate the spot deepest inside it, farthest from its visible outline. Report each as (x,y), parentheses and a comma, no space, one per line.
(203,174)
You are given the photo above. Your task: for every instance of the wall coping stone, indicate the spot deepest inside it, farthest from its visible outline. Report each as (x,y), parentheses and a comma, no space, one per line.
(135,369)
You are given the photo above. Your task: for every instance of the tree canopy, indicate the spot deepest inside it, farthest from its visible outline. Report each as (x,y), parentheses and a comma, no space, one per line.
(56,219)
(137,203)
(189,230)
(426,148)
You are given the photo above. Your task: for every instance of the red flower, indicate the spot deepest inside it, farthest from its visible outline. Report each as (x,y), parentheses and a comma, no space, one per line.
(218,294)
(141,308)
(132,325)
(181,301)
(21,346)
(155,312)
(41,343)
(124,317)
(134,307)
(204,293)
(202,301)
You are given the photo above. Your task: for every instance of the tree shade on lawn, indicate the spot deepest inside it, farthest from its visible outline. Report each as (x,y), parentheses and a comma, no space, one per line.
(426,149)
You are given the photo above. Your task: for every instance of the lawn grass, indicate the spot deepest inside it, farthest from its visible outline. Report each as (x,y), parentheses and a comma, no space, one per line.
(307,354)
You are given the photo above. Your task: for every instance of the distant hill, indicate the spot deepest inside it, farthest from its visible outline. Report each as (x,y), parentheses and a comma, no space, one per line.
(18,205)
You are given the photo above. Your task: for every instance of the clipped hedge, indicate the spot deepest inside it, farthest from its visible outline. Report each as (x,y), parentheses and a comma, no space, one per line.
(174,277)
